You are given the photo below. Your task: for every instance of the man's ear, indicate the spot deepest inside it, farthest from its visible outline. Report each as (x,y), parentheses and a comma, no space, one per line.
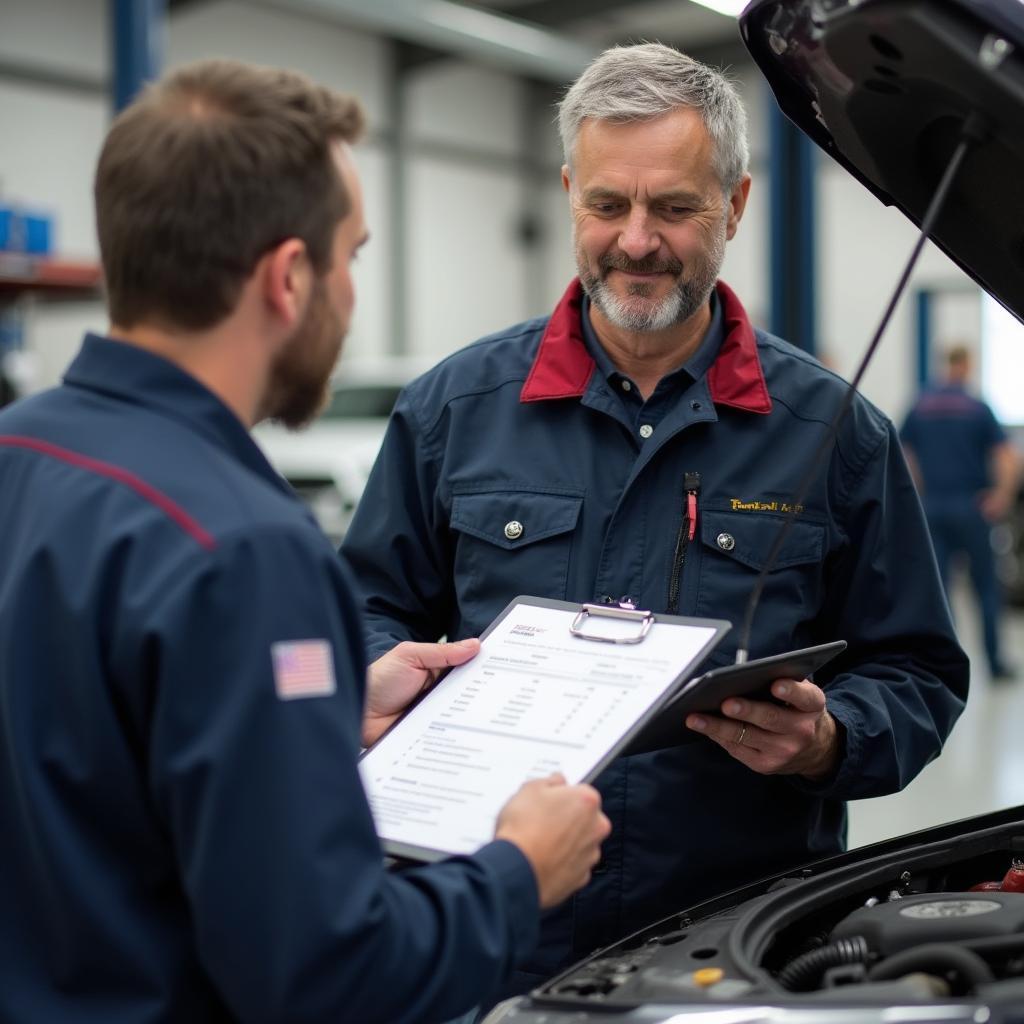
(286,277)
(737,204)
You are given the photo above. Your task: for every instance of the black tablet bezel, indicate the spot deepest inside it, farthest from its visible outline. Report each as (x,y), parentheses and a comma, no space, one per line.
(706,693)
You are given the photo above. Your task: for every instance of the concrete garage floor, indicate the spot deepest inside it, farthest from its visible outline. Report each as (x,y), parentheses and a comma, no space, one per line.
(982,766)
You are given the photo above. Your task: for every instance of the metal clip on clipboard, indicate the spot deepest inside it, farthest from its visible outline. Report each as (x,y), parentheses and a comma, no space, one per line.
(621,611)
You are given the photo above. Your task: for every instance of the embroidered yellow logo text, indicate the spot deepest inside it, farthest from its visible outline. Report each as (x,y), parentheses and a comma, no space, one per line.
(764,506)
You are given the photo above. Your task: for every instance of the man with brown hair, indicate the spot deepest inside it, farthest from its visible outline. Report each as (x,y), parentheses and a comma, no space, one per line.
(181,658)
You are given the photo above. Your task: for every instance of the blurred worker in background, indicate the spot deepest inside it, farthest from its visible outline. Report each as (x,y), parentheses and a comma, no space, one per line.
(185,836)
(967,471)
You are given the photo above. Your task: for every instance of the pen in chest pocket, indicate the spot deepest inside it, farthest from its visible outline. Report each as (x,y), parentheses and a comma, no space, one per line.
(687,531)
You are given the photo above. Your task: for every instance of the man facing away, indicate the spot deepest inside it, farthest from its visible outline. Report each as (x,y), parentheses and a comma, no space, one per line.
(645,442)
(185,837)
(967,470)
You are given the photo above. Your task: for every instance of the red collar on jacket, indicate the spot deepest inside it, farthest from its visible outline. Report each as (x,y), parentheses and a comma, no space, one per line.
(563,366)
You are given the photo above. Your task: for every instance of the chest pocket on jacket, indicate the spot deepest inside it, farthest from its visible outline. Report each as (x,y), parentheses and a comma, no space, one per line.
(510,543)
(735,547)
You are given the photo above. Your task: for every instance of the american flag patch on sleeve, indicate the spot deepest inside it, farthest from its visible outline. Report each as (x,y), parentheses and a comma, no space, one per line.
(303,668)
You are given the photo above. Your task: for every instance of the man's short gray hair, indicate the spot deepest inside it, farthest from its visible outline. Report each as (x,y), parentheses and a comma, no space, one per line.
(636,83)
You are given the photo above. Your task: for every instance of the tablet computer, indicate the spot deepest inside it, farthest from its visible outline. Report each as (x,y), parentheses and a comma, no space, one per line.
(752,680)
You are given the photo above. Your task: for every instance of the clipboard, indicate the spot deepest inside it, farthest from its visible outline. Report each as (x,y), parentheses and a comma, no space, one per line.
(752,679)
(436,779)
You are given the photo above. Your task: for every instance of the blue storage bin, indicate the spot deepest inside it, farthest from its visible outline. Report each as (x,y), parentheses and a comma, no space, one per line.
(22,230)
(38,234)
(12,229)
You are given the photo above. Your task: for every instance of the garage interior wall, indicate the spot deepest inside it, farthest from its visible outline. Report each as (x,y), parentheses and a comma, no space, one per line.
(480,156)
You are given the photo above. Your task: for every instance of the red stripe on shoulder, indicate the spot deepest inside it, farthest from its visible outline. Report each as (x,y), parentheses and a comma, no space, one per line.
(170,508)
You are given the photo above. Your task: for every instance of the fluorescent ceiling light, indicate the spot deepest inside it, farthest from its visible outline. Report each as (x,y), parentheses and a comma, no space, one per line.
(730,8)
(492,28)
(468,31)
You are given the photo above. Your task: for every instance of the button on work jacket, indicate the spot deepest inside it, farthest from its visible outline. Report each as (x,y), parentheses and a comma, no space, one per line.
(183,832)
(519,428)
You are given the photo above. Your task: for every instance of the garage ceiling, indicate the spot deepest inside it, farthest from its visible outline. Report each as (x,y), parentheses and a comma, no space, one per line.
(548,40)
(603,21)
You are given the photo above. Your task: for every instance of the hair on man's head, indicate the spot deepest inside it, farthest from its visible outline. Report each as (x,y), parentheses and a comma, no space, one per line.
(641,82)
(205,172)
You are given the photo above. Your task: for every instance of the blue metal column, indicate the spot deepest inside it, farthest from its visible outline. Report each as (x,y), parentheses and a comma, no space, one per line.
(138,44)
(924,336)
(791,231)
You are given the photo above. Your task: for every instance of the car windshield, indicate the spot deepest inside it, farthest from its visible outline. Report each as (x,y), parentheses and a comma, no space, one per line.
(366,401)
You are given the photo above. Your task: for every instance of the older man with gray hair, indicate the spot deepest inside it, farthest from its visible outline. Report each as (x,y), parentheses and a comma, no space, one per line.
(642,444)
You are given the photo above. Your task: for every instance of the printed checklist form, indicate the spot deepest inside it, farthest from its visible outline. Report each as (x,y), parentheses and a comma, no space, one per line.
(556,687)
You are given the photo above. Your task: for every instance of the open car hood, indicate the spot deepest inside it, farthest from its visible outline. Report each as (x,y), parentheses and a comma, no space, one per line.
(885,87)
(894,933)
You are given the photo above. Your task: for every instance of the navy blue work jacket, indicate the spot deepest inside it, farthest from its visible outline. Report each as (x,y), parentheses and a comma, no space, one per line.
(519,428)
(184,835)
(952,435)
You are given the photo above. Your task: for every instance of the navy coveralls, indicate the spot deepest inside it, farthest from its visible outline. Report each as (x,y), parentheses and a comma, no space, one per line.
(179,843)
(952,435)
(519,428)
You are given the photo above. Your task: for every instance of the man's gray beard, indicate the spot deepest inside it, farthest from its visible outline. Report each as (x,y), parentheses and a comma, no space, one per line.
(674,309)
(688,296)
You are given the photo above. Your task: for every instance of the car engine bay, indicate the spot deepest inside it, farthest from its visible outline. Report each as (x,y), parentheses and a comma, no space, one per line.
(939,921)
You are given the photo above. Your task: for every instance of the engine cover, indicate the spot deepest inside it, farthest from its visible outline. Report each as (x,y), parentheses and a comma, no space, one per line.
(935,917)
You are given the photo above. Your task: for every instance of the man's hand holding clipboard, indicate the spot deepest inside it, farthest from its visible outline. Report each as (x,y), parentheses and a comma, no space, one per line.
(558,828)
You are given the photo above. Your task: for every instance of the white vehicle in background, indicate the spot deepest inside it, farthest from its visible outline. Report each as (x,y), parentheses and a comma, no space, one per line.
(328,462)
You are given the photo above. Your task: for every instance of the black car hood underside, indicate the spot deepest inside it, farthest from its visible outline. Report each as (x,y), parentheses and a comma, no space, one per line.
(885,88)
